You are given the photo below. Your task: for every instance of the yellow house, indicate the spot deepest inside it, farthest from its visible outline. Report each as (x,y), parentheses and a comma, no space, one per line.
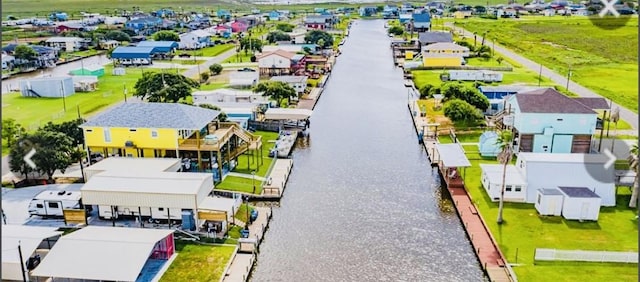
(157,130)
(446,48)
(442,60)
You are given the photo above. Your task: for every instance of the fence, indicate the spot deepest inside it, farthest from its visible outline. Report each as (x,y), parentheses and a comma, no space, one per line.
(590,256)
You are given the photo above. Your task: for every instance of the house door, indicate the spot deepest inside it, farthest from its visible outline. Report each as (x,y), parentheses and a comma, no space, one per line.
(584,212)
(552,205)
(53,208)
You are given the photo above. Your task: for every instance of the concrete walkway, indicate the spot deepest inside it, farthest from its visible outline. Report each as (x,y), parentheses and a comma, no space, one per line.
(626,114)
(244,175)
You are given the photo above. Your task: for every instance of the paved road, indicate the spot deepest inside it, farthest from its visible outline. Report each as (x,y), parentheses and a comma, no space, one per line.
(625,114)
(193,72)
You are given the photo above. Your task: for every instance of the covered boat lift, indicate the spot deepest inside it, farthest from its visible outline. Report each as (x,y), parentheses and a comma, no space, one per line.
(450,158)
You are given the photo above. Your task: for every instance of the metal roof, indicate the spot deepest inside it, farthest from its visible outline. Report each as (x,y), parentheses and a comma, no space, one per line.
(290,78)
(101,253)
(132,181)
(132,52)
(158,44)
(64,39)
(434,36)
(287,114)
(154,115)
(217,204)
(494,173)
(578,192)
(452,155)
(549,101)
(137,164)
(27,235)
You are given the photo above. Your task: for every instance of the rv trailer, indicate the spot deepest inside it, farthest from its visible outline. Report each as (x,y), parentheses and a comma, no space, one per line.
(52,202)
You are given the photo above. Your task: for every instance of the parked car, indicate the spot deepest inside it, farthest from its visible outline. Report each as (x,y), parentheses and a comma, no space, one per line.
(247,69)
(254,216)
(244,233)
(184,55)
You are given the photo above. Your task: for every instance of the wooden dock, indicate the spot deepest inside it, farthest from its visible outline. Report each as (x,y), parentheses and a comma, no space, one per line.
(277,180)
(487,251)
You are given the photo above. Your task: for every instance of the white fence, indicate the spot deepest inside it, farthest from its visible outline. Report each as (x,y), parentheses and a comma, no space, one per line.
(591,256)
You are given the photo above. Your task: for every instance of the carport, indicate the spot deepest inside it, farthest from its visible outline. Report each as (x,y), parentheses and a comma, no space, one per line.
(109,254)
(287,114)
(161,47)
(19,244)
(450,158)
(132,55)
(218,210)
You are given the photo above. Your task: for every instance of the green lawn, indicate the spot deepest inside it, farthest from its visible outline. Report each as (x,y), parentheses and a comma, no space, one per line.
(198,263)
(241,57)
(524,230)
(241,214)
(241,184)
(74,55)
(212,86)
(34,112)
(181,62)
(212,51)
(602,60)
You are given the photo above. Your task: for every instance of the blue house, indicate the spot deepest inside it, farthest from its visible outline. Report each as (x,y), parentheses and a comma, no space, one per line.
(58,16)
(164,13)
(47,56)
(223,14)
(390,12)
(143,24)
(160,47)
(421,22)
(132,55)
(546,121)
(497,94)
(274,15)
(368,11)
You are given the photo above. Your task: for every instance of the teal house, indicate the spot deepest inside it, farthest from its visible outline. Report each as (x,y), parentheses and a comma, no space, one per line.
(93,70)
(547,121)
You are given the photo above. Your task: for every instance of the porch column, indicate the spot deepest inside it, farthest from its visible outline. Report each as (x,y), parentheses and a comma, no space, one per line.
(219,158)
(198,139)
(200,166)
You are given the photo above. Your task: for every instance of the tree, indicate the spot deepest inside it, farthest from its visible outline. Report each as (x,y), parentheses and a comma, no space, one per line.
(215,69)
(504,141)
(53,151)
(285,27)
(25,52)
(276,90)
(320,42)
(222,117)
(166,35)
(427,91)
(17,151)
(633,165)
(459,110)
(454,90)
(164,87)
(70,128)
(204,76)
(118,36)
(11,130)
(499,60)
(251,44)
(396,30)
(276,36)
(315,35)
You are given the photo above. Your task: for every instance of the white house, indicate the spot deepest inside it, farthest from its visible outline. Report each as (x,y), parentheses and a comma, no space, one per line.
(298,82)
(226,96)
(446,48)
(68,44)
(534,171)
(244,78)
(195,39)
(278,60)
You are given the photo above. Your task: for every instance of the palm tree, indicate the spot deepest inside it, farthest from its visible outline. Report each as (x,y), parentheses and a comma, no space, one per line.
(633,165)
(504,140)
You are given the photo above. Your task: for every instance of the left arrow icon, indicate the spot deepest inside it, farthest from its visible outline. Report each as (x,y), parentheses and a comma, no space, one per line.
(28,156)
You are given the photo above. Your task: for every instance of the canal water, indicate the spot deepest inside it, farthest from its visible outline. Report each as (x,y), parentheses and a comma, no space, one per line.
(363,203)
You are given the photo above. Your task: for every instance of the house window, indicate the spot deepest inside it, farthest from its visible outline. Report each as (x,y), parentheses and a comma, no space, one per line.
(539,198)
(508,188)
(559,119)
(518,188)
(154,133)
(53,205)
(160,209)
(107,135)
(132,130)
(89,130)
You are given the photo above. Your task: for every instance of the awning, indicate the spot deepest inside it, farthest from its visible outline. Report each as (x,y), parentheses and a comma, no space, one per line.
(217,204)
(452,155)
(287,114)
(101,253)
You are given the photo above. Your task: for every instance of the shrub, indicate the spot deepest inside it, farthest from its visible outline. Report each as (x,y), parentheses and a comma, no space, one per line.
(459,110)
(396,30)
(215,69)
(204,76)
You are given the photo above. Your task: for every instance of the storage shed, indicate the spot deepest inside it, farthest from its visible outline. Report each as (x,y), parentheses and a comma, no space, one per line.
(159,195)
(549,202)
(97,253)
(580,203)
(31,239)
(85,83)
(487,145)
(133,164)
(52,87)
(515,189)
(93,70)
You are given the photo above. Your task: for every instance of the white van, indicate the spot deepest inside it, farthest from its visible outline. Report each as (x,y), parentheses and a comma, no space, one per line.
(51,203)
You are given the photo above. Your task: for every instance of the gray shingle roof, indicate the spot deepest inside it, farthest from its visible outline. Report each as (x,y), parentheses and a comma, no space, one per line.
(595,103)
(550,101)
(578,192)
(434,37)
(154,115)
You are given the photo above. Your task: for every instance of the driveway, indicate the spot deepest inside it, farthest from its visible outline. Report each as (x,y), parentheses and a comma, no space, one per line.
(625,114)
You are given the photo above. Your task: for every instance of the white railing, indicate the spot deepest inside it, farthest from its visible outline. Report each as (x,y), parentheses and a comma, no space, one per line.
(579,255)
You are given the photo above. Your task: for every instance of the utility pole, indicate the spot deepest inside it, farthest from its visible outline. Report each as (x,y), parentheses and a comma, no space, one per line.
(568,77)
(64,102)
(540,75)
(24,275)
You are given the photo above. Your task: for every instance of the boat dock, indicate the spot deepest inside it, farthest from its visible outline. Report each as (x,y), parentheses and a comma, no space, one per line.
(277,181)
(491,259)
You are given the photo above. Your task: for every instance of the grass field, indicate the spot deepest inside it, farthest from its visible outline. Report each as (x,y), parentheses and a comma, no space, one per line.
(239,58)
(34,112)
(211,51)
(524,230)
(198,263)
(602,60)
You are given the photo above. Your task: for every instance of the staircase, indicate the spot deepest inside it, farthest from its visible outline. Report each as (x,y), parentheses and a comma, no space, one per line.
(496,119)
(33,93)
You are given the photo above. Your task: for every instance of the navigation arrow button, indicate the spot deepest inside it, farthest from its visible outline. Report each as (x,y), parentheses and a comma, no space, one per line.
(28,156)
(611,158)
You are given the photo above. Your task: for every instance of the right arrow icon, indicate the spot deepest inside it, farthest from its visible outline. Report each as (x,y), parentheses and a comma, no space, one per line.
(28,156)
(612,158)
